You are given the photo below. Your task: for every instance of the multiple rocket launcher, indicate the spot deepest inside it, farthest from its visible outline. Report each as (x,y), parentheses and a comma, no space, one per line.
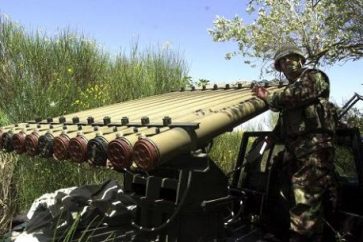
(146,132)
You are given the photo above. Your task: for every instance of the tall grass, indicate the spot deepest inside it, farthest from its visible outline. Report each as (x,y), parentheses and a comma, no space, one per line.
(146,73)
(225,150)
(7,192)
(23,179)
(44,76)
(36,176)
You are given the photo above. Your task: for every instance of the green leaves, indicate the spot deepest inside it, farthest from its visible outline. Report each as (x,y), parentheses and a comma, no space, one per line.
(327,31)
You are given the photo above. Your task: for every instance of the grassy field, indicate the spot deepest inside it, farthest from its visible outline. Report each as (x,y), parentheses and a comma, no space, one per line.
(47,76)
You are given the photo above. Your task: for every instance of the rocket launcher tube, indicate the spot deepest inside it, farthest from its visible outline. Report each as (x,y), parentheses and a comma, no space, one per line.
(147,109)
(6,140)
(31,141)
(214,107)
(97,148)
(186,115)
(77,148)
(176,106)
(61,143)
(201,106)
(14,125)
(78,145)
(142,105)
(120,150)
(181,109)
(17,126)
(23,126)
(45,142)
(120,107)
(120,147)
(135,108)
(18,139)
(99,114)
(152,151)
(119,153)
(134,105)
(6,137)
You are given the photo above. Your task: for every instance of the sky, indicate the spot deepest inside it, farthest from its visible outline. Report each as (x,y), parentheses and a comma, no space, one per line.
(180,24)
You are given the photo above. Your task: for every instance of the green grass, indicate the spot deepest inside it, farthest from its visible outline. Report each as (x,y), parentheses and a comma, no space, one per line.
(36,176)
(225,150)
(47,76)
(7,190)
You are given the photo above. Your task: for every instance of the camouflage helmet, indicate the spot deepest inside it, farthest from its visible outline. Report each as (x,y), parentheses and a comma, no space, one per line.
(285,51)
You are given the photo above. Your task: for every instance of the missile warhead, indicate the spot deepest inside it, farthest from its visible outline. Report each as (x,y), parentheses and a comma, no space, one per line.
(146,154)
(45,145)
(31,143)
(60,147)
(119,152)
(78,149)
(18,141)
(97,151)
(6,141)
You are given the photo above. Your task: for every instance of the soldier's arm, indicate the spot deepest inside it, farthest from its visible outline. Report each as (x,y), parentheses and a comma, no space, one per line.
(311,86)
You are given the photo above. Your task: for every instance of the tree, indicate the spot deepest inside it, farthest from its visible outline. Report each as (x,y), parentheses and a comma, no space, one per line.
(329,31)
(354,118)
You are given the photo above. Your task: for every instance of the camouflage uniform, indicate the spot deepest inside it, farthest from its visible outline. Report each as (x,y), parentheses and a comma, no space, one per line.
(306,126)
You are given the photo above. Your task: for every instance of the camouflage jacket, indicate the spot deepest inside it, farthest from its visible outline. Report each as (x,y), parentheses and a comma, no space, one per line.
(307,119)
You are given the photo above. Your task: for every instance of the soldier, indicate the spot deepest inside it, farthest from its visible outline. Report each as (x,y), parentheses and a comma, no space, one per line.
(306,126)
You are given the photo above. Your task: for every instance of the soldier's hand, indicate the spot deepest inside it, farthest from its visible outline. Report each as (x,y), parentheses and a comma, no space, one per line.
(260,92)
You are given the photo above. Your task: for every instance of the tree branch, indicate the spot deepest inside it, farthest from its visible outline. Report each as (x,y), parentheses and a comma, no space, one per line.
(313,5)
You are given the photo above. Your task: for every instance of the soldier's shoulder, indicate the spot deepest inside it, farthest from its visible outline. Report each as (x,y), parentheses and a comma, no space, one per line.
(316,74)
(312,71)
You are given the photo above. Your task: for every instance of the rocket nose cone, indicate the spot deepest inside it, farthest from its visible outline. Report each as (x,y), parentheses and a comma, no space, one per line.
(6,140)
(31,144)
(60,147)
(97,151)
(146,154)
(119,152)
(45,145)
(78,149)
(19,142)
